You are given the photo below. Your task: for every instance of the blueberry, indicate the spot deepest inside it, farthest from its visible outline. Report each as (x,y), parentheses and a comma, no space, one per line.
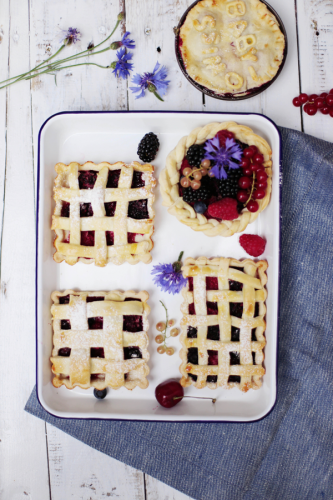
(200,207)
(100,394)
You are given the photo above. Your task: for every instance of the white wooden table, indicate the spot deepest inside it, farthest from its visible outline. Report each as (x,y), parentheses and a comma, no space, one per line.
(38,461)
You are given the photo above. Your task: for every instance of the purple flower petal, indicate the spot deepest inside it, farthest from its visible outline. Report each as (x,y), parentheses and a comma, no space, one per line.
(166,278)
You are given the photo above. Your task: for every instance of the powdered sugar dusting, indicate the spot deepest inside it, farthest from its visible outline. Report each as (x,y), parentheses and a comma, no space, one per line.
(78,313)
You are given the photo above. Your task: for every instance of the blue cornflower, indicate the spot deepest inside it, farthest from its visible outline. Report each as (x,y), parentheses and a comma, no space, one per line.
(122,67)
(125,41)
(168,277)
(222,156)
(155,82)
(70,36)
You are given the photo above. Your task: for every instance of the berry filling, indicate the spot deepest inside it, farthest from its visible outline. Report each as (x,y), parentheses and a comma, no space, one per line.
(65,324)
(95,323)
(190,284)
(97,352)
(109,238)
(95,299)
(65,209)
(193,377)
(211,283)
(213,332)
(234,358)
(213,357)
(192,332)
(236,309)
(138,209)
(234,378)
(132,353)
(87,179)
(253,335)
(88,238)
(131,237)
(211,308)
(64,300)
(98,377)
(236,286)
(256,310)
(65,352)
(130,299)
(113,179)
(192,355)
(254,358)
(132,323)
(191,309)
(137,180)
(211,379)
(86,210)
(110,208)
(235,334)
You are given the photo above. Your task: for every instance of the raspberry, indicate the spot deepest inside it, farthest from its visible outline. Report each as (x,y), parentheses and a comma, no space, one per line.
(253,245)
(225,209)
(223,135)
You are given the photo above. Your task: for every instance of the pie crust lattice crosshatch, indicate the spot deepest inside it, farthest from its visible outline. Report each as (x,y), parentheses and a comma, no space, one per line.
(223,323)
(104,213)
(100,339)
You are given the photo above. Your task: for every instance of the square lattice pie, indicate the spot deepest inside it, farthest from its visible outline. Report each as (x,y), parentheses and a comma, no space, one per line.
(100,339)
(223,323)
(104,213)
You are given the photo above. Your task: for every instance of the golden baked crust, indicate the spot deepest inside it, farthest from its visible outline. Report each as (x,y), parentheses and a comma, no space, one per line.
(68,229)
(76,369)
(231,46)
(242,358)
(169,180)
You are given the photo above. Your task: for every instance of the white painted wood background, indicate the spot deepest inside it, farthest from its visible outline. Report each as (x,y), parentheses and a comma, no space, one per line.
(37,461)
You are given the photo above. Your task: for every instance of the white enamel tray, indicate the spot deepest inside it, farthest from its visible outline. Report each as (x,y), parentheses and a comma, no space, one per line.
(113,136)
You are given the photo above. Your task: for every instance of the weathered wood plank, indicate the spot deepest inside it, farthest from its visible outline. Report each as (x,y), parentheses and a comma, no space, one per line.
(80,472)
(315,34)
(151,24)
(23,445)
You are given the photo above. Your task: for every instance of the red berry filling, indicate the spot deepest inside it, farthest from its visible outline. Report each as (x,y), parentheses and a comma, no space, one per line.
(191,309)
(137,180)
(213,332)
(236,286)
(65,324)
(109,238)
(138,209)
(234,358)
(132,323)
(235,334)
(95,323)
(64,352)
(131,237)
(211,308)
(65,209)
(64,300)
(213,357)
(87,179)
(132,353)
(192,355)
(211,283)
(113,179)
(192,332)
(86,210)
(88,238)
(97,352)
(236,309)
(94,299)
(190,284)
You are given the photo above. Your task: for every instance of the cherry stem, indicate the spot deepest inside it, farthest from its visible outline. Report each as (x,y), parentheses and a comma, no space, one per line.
(213,400)
(166,324)
(252,188)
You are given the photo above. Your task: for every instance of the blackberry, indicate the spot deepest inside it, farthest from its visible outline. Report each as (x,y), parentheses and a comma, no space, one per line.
(148,147)
(228,187)
(203,193)
(195,155)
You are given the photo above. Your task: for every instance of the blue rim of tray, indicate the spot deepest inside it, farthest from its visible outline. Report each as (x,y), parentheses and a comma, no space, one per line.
(279,273)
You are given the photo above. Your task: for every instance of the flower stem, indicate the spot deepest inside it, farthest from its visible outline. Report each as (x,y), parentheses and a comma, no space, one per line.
(180,256)
(252,189)
(166,324)
(158,96)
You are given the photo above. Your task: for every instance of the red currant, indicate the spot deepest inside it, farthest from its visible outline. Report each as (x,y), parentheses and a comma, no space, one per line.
(331,112)
(319,102)
(261,176)
(244,182)
(312,97)
(259,194)
(245,162)
(254,149)
(258,158)
(248,152)
(252,206)
(242,196)
(262,185)
(247,171)
(255,166)
(325,110)
(312,110)
(329,100)
(297,102)
(324,95)
(303,98)
(306,107)
(331,91)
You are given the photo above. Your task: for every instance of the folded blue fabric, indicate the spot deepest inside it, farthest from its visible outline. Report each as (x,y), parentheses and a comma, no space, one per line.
(288,454)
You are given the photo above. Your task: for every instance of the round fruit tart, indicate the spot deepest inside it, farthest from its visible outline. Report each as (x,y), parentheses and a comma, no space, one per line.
(231,47)
(218,178)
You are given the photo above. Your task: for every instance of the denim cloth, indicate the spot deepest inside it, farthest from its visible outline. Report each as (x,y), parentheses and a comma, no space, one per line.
(289,454)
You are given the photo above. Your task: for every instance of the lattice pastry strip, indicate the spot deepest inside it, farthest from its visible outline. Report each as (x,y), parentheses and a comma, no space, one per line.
(104,213)
(100,339)
(223,323)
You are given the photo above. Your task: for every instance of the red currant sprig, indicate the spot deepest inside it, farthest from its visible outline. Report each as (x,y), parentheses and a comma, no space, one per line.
(193,176)
(314,102)
(255,188)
